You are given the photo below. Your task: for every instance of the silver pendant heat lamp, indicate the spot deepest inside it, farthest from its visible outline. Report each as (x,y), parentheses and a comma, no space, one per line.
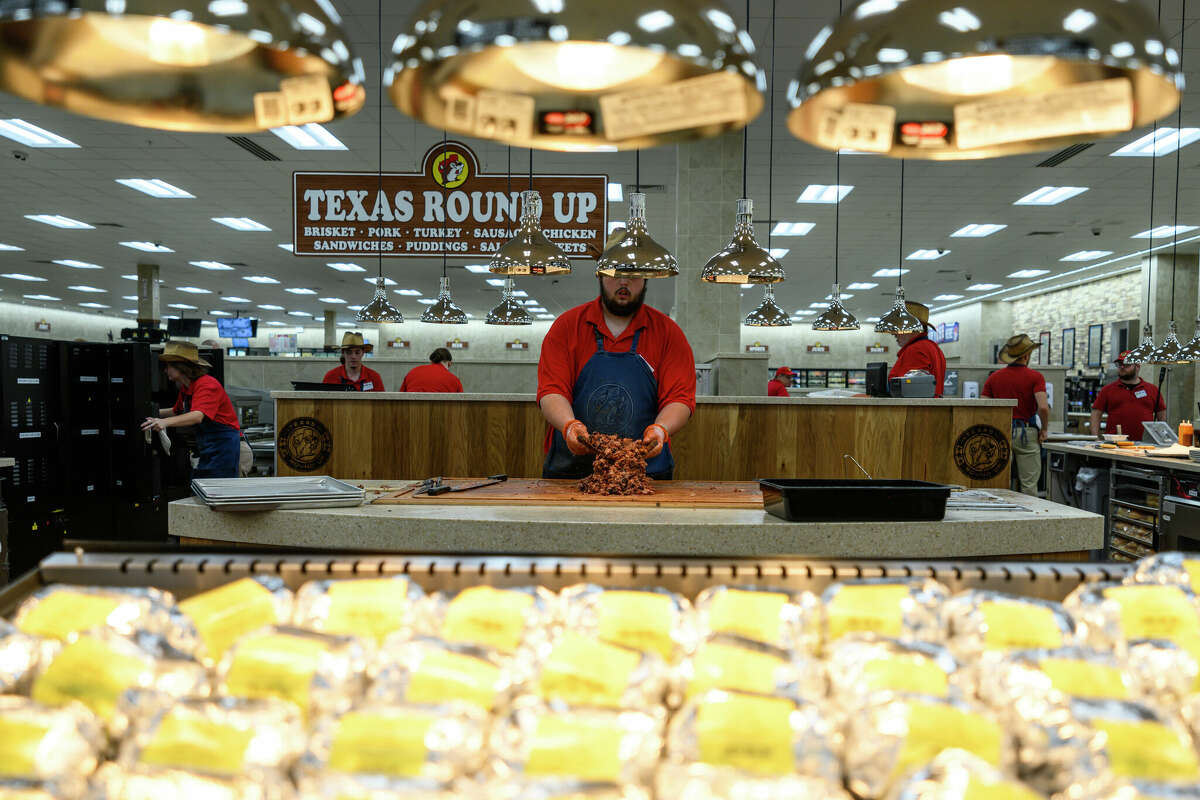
(530,252)
(768,314)
(380,309)
(935,79)
(899,320)
(836,317)
(1191,350)
(1170,352)
(743,260)
(636,255)
(1141,353)
(509,311)
(183,65)
(444,311)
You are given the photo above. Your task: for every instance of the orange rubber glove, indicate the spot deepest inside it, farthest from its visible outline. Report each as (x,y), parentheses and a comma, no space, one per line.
(571,433)
(656,436)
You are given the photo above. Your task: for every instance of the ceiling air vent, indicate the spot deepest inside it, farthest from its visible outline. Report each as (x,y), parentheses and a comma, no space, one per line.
(1065,153)
(1044,233)
(253,148)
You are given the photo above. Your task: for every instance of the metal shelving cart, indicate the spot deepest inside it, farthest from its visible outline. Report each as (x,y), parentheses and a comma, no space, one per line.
(1134,521)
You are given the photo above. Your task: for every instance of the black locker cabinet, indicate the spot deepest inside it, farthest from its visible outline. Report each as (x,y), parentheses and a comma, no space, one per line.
(138,507)
(84,368)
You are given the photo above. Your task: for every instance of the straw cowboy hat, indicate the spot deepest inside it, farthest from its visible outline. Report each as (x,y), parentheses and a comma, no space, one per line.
(1016,347)
(183,351)
(355,339)
(920,311)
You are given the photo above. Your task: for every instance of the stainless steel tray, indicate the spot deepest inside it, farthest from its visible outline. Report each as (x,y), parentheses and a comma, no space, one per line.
(317,488)
(186,574)
(274,505)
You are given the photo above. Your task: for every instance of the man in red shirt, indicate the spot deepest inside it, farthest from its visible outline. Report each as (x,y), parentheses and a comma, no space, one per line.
(434,376)
(1027,386)
(614,366)
(776,387)
(1129,401)
(203,403)
(918,352)
(352,371)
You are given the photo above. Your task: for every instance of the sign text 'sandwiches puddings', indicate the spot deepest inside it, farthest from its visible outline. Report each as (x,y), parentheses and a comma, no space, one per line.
(449,204)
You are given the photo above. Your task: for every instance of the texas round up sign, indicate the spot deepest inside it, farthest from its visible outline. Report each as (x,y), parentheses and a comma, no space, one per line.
(449,206)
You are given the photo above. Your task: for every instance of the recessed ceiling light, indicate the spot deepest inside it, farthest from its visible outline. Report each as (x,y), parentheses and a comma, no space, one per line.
(1163,231)
(269,307)
(947,297)
(301,290)
(792,228)
(285,246)
(616,192)
(130,277)
(1087,255)
(408,292)
(804,312)
(308,137)
(94,305)
(129,311)
(299,314)
(59,221)
(843,295)
(156,187)
(147,247)
(74,264)
(259,279)
(41,297)
(171,316)
(982,287)
(495,281)
(889,272)
(862,285)
(337,300)
(481,267)
(11,247)
(83,288)
(386,281)
(31,135)
(538,310)
(347,324)
(817,305)
(872,319)
(1160,142)
(216,312)
(184,306)
(821,193)
(745,285)
(216,266)
(235,300)
(978,229)
(1027,273)
(276,323)
(21,276)
(926,255)
(1050,195)
(539,316)
(520,293)
(427,301)
(129,297)
(240,223)
(779,252)
(527,302)
(347,267)
(192,290)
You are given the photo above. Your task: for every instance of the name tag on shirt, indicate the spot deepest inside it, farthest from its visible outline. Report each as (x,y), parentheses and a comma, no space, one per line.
(1140,393)
(370,385)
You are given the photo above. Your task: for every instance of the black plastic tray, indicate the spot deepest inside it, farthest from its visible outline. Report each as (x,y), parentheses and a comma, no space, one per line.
(813,500)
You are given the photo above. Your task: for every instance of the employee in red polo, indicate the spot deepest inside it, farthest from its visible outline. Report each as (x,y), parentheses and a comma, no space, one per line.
(352,371)
(1028,387)
(434,376)
(1129,401)
(777,387)
(918,352)
(616,366)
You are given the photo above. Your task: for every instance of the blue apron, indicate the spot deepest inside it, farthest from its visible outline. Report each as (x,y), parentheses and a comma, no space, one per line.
(615,393)
(217,445)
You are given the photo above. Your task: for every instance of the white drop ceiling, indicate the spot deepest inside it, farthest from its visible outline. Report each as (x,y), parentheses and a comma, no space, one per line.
(228,181)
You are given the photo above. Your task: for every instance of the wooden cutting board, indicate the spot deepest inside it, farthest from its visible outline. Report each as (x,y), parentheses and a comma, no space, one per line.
(542,492)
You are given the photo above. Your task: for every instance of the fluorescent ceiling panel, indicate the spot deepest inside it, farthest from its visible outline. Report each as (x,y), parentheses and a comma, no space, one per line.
(1050,195)
(156,187)
(308,137)
(59,221)
(822,193)
(240,223)
(147,247)
(978,229)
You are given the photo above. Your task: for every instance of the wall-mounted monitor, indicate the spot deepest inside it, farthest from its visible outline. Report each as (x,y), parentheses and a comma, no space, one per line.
(237,328)
(183,327)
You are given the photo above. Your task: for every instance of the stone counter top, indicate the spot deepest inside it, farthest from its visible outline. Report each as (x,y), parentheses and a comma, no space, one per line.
(1046,528)
(467,397)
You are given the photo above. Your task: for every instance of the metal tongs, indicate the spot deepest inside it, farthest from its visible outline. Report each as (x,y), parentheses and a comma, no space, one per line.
(435,486)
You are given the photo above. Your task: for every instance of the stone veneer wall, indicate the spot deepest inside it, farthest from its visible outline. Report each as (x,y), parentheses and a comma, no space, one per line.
(1100,302)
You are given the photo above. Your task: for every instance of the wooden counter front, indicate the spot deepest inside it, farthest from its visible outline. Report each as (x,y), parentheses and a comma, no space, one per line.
(394,435)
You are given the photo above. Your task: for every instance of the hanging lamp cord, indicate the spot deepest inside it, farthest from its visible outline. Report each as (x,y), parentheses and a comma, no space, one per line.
(637,170)
(379,121)
(1178,132)
(1153,171)
(444,209)
(900,255)
(531,169)
(746,130)
(771,136)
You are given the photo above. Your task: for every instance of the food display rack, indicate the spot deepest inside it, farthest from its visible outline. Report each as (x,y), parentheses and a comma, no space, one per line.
(1134,516)
(187,574)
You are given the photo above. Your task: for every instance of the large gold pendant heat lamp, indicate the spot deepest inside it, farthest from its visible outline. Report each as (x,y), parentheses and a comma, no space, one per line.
(940,79)
(225,66)
(575,75)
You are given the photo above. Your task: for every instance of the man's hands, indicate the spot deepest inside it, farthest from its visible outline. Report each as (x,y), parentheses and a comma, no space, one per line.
(153,424)
(571,432)
(656,437)
(1043,434)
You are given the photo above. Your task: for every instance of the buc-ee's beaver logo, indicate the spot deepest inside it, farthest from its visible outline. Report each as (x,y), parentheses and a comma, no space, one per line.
(981,452)
(450,169)
(305,444)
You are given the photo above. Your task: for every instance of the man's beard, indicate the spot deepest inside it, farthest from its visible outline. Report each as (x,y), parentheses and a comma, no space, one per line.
(627,309)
